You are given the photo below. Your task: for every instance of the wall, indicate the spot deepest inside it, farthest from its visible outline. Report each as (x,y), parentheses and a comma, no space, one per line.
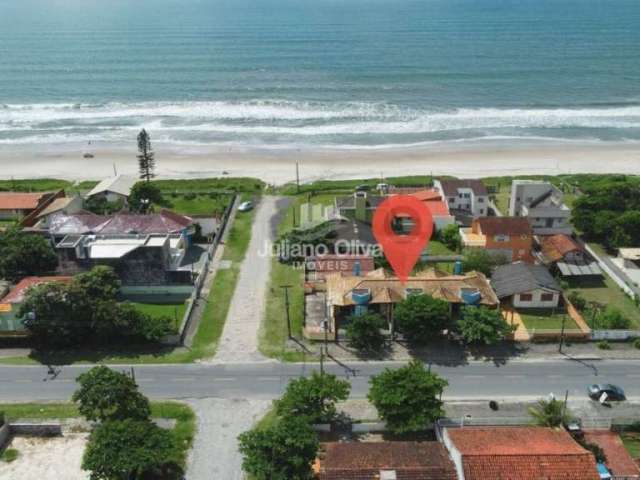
(4,435)
(519,245)
(537,301)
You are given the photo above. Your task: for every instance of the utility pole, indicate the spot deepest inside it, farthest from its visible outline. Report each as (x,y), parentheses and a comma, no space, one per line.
(297,177)
(564,319)
(286,307)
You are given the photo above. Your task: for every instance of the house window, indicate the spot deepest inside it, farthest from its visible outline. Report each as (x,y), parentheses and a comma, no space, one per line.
(526,297)
(480,199)
(547,297)
(452,199)
(501,238)
(482,211)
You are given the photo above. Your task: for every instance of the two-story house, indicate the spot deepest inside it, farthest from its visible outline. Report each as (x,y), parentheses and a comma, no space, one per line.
(542,203)
(469,196)
(508,236)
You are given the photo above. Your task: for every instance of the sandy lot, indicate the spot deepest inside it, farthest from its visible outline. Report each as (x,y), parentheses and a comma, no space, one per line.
(55,458)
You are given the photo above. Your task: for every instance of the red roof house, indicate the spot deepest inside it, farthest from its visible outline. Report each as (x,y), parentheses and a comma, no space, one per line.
(436,205)
(17,294)
(518,453)
(619,462)
(19,204)
(379,460)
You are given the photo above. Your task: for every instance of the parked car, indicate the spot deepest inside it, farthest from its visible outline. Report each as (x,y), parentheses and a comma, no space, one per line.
(363,187)
(614,393)
(245,206)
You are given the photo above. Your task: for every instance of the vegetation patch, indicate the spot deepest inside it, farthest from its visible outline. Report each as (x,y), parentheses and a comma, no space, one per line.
(541,319)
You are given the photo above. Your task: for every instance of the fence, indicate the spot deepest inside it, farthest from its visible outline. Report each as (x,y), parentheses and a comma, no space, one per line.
(187,319)
(620,335)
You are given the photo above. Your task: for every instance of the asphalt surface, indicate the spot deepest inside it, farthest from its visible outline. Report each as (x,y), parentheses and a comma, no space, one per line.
(266,380)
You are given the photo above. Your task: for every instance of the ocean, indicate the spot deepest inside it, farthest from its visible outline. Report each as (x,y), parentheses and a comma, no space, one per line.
(346,74)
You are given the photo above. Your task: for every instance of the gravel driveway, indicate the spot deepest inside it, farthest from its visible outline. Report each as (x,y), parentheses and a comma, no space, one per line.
(239,341)
(215,450)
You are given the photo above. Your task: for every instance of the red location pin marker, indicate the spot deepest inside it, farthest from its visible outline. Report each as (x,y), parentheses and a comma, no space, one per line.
(402,250)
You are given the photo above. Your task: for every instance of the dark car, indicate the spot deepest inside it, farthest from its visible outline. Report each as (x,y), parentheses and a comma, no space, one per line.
(614,393)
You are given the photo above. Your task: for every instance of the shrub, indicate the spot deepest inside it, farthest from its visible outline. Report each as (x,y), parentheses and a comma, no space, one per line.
(421,318)
(363,332)
(604,345)
(482,325)
(577,300)
(9,455)
(190,196)
(450,236)
(613,319)
(636,343)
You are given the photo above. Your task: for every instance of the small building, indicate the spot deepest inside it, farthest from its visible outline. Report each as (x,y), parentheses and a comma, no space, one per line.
(317,268)
(526,286)
(378,291)
(508,236)
(113,189)
(518,453)
(437,206)
(468,197)
(17,205)
(384,461)
(10,322)
(360,206)
(567,257)
(628,260)
(542,203)
(63,205)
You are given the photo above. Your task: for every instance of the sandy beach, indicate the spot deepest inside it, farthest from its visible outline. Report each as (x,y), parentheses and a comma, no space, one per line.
(473,159)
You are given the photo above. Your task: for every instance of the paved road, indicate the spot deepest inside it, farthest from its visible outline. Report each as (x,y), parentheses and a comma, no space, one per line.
(266,380)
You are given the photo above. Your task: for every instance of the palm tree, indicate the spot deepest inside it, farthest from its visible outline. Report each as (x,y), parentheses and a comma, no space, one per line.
(550,413)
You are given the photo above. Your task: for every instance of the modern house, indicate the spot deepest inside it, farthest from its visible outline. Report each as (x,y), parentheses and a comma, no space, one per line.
(508,236)
(542,203)
(384,461)
(17,205)
(113,189)
(10,321)
(518,453)
(567,257)
(526,286)
(468,197)
(348,295)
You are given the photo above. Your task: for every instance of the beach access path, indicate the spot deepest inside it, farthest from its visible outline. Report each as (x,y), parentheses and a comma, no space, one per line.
(239,342)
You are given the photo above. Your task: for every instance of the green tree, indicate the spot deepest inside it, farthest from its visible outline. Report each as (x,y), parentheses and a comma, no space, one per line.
(421,318)
(24,254)
(101,206)
(481,260)
(105,394)
(550,413)
(130,450)
(313,397)
(282,451)
(577,300)
(364,332)
(100,283)
(482,325)
(143,195)
(450,236)
(407,398)
(146,160)
(613,319)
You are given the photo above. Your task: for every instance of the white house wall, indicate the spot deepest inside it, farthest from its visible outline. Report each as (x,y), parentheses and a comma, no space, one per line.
(536,301)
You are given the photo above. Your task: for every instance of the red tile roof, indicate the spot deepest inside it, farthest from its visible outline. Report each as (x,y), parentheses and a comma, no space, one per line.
(20,201)
(17,294)
(522,453)
(555,247)
(433,200)
(504,226)
(618,459)
(364,461)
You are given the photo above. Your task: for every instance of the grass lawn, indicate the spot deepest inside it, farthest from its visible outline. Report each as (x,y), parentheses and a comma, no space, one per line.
(545,320)
(438,248)
(200,205)
(607,292)
(631,442)
(34,185)
(206,339)
(183,431)
(174,311)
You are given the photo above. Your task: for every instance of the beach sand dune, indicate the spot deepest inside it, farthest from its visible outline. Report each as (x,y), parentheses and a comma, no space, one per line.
(278,166)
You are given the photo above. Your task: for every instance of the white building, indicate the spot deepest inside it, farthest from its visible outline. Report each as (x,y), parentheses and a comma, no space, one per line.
(113,189)
(628,260)
(464,196)
(526,286)
(542,203)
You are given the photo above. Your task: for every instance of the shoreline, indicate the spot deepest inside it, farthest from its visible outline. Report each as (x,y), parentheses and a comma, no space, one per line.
(277,166)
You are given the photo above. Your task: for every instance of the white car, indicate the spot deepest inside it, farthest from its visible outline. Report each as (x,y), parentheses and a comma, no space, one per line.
(245,206)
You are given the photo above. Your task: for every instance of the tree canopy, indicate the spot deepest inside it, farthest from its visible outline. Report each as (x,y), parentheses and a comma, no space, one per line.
(550,413)
(22,255)
(313,397)
(450,236)
(146,160)
(282,451)
(609,211)
(145,194)
(364,332)
(481,260)
(105,394)
(421,318)
(482,325)
(407,398)
(130,450)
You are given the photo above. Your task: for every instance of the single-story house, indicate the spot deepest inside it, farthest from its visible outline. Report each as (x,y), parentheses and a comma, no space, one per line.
(378,291)
(526,286)
(566,256)
(518,453)
(436,205)
(113,189)
(619,462)
(508,236)
(17,205)
(384,461)
(10,303)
